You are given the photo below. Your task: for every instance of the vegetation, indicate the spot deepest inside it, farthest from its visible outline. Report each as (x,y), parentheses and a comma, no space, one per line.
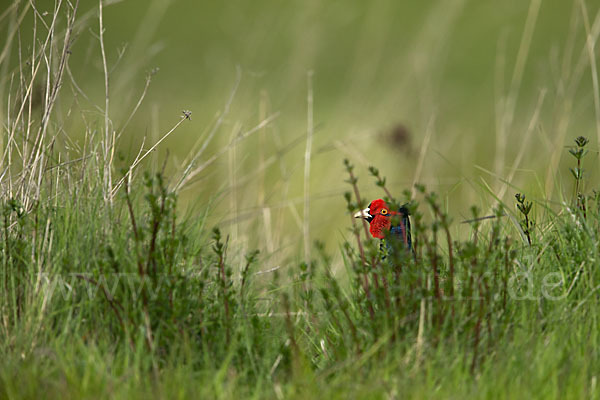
(111,288)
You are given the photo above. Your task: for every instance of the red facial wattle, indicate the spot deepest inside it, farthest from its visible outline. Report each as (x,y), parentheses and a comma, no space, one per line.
(379,225)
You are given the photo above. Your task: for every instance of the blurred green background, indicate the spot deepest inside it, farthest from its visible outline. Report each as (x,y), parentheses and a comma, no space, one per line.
(443,92)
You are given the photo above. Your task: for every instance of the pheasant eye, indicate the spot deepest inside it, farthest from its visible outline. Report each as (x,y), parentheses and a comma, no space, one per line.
(384,211)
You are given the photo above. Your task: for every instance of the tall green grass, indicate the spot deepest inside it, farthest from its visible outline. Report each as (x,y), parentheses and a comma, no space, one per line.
(111,288)
(125,299)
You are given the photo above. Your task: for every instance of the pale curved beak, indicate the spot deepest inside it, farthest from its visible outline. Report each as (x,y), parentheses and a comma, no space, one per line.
(364,214)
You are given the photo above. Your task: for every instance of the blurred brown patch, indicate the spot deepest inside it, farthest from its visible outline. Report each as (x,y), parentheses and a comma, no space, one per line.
(37,99)
(399,138)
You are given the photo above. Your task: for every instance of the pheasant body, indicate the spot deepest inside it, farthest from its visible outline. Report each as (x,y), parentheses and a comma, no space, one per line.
(380,219)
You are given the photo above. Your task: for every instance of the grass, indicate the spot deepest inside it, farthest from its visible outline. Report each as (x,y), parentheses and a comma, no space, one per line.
(110,287)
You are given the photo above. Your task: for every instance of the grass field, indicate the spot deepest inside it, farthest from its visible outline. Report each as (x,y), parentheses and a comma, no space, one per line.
(178,182)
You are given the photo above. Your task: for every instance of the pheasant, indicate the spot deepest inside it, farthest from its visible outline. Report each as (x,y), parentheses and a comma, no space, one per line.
(380,218)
